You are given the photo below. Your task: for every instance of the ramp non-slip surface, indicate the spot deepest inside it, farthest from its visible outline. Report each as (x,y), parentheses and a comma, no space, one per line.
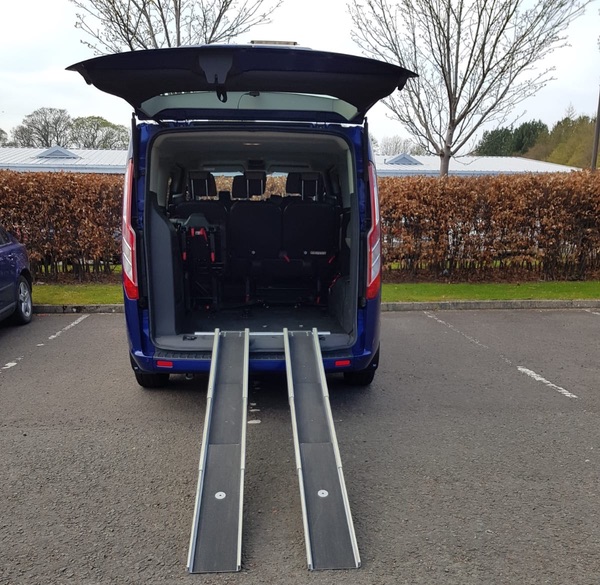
(330,538)
(331,544)
(216,538)
(215,545)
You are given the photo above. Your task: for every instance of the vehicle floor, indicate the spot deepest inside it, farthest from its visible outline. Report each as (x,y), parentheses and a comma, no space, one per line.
(266,318)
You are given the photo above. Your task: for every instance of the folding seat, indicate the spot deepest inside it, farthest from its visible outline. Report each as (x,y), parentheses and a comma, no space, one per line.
(311,235)
(254,230)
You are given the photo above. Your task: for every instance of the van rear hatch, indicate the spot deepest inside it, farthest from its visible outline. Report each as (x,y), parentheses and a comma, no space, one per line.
(244,81)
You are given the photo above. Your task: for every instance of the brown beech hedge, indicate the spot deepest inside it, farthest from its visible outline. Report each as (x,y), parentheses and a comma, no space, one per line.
(69,222)
(504,227)
(492,228)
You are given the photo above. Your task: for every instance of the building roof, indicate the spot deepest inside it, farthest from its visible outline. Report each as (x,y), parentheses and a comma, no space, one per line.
(57,158)
(405,164)
(77,160)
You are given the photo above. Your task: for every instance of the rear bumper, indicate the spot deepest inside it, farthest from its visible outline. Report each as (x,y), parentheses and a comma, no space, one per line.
(274,362)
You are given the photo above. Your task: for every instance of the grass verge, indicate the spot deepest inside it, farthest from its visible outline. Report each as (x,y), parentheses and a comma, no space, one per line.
(108,294)
(435,291)
(77,294)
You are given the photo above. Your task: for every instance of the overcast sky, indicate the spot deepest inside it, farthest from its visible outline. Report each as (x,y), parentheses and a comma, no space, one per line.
(38,40)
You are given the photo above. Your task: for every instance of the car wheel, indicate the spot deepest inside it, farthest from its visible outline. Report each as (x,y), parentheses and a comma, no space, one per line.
(151,380)
(24,310)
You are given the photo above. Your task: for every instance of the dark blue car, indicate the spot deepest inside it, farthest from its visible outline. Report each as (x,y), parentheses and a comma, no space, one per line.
(15,280)
(250,203)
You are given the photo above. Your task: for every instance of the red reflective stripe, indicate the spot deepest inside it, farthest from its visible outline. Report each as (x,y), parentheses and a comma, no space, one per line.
(342,363)
(164,364)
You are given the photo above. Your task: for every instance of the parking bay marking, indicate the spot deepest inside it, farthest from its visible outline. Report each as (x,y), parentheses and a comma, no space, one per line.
(16,361)
(521,369)
(76,322)
(539,378)
(9,365)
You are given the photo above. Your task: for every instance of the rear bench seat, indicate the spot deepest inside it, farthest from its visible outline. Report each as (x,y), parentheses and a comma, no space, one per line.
(268,242)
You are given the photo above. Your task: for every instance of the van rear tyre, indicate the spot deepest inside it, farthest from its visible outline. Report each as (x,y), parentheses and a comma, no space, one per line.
(151,380)
(363,378)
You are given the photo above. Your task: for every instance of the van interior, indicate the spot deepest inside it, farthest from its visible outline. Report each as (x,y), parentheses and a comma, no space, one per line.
(251,229)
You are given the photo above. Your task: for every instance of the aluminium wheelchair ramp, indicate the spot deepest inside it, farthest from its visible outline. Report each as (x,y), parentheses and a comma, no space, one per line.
(329,531)
(216,539)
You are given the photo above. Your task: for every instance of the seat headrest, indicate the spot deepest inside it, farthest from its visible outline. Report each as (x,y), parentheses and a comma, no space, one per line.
(309,185)
(202,184)
(293,183)
(239,189)
(312,186)
(249,184)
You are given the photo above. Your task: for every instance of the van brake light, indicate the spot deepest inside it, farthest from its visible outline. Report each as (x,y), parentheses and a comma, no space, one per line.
(130,283)
(374,240)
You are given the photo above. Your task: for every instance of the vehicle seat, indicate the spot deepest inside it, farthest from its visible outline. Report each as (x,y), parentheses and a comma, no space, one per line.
(254,230)
(311,232)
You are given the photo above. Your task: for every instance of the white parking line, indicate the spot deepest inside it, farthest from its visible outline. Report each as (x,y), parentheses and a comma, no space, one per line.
(539,378)
(450,326)
(76,322)
(14,363)
(9,365)
(592,312)
(521,369)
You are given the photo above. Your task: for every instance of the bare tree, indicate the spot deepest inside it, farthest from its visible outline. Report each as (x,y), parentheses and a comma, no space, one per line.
(391,145)
(476,59)
(3,137)
(374,144)
(44,127)
(94,132)
(120,25)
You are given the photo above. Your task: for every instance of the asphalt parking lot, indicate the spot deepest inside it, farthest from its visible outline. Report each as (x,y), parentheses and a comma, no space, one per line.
(472,459)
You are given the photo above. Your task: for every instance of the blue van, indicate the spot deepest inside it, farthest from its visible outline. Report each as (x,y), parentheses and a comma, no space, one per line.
(250,202)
